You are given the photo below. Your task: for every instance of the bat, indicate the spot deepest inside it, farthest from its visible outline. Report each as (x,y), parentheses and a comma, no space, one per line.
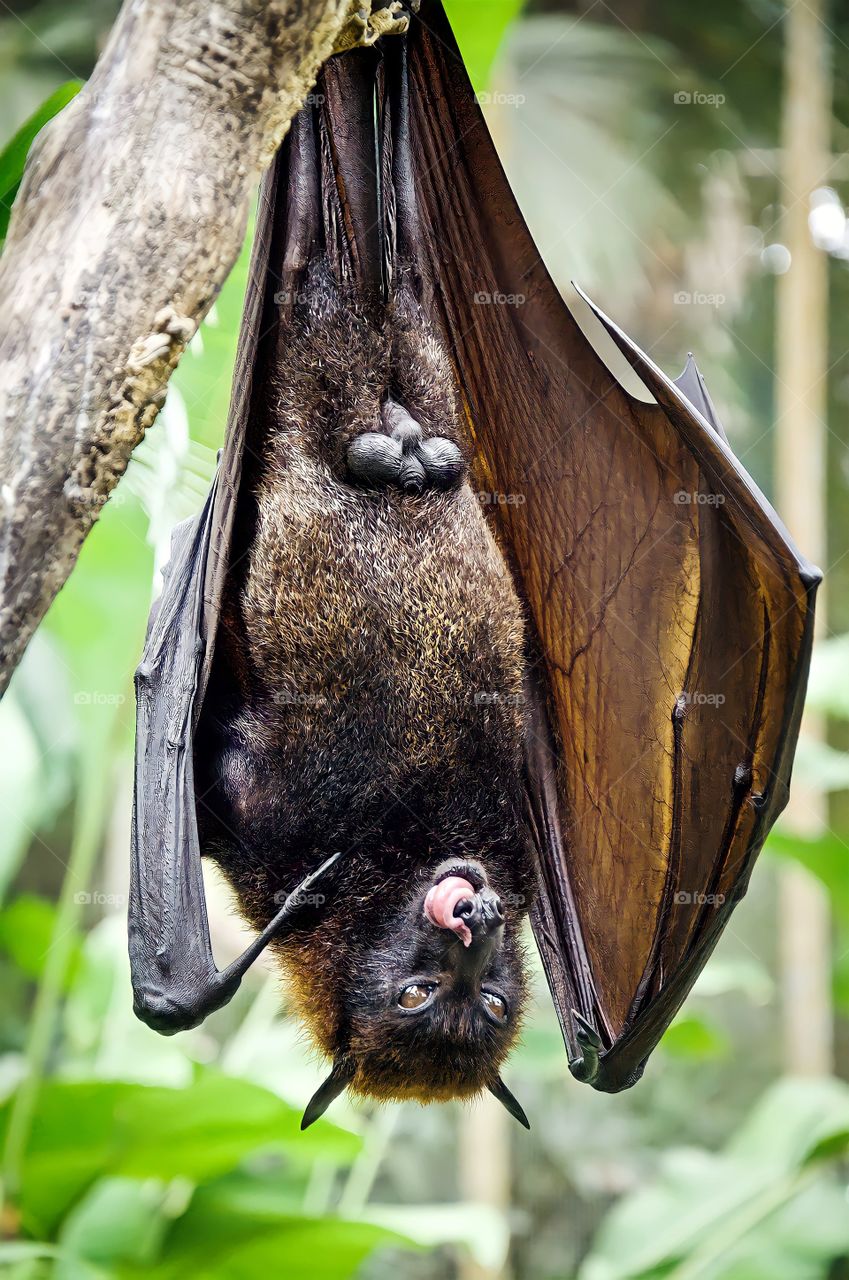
(464,633)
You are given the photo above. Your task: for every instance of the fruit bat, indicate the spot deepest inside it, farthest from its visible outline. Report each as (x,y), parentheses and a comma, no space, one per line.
(465,632)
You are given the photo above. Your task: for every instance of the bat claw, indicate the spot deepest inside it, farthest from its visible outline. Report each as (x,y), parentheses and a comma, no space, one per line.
(587,1034)
(366,26)
(586,1067)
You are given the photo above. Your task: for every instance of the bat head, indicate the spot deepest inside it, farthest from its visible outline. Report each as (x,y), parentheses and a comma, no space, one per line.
(430,1003)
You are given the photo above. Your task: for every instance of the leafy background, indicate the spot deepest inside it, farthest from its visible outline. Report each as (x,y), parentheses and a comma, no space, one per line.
(125,1154)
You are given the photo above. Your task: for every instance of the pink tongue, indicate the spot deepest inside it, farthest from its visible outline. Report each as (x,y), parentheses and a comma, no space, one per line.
(440,903)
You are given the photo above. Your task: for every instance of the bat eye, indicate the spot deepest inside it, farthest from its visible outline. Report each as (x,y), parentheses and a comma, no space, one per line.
(494,1005)
(416,995)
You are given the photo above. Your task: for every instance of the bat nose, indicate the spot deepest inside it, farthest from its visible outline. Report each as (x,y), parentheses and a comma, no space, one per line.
(469,964)
(482,913)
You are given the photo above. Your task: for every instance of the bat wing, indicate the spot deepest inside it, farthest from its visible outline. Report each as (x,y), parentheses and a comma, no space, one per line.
(670,614)
(175,979)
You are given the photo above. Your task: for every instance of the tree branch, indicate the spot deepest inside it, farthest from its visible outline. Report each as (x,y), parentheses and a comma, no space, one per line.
(131,213)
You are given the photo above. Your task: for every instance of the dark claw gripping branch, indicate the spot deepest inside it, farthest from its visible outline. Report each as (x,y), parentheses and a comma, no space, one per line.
(463,632)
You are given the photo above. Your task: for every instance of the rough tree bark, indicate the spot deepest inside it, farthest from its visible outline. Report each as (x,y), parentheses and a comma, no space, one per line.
(131,213)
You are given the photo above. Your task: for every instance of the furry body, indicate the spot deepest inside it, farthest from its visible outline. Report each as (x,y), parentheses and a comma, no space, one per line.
(368,677)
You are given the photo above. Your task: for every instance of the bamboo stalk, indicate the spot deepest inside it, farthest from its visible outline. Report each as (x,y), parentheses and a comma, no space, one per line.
(800,463)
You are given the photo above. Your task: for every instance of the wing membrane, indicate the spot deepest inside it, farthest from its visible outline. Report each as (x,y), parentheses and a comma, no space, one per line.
(671,614)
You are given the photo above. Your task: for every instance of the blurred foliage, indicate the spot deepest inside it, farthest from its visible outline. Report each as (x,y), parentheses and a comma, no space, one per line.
(770,1205)
(154,1157)
(14,154)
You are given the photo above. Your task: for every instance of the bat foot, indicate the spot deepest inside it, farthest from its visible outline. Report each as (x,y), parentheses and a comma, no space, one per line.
(366,25)
(586,1067)
(400,456)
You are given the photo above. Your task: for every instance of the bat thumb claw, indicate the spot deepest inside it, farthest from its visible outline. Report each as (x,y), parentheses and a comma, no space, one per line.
(586,1033)
(586,1067)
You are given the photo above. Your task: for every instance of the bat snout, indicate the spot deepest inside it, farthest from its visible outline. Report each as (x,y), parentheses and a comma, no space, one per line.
(461,901)
(482,913)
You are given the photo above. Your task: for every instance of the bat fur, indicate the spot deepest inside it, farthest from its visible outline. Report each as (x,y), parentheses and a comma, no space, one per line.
(368,698)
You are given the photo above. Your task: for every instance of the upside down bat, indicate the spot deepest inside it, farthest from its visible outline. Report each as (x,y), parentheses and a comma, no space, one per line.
(463,633)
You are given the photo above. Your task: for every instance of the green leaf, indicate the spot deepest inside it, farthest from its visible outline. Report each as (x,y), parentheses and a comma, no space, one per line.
(204,376)
(98,621)
(237,1226)
(23,1250)
(794,1122)
(209,1128)
(693,1037)
(726,973)
(83,1131)
(19,780)
(826,856)
(26,933)
(481,1229)
(828,688)
(821,766)
(120,1220)
(14,155)
(214,1240)
(701,1213)
(479,30)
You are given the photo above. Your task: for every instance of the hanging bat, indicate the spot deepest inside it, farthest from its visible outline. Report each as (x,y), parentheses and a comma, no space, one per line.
(464,632)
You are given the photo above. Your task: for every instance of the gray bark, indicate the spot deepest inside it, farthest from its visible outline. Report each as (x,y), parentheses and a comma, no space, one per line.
(131,213)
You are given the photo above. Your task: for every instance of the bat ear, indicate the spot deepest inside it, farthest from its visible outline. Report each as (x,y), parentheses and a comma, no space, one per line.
(336,1083)
(500,1091)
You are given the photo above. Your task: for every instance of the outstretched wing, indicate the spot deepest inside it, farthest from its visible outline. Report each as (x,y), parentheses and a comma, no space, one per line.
(671,614)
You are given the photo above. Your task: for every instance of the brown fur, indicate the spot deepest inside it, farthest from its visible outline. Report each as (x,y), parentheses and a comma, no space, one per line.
(367,689)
